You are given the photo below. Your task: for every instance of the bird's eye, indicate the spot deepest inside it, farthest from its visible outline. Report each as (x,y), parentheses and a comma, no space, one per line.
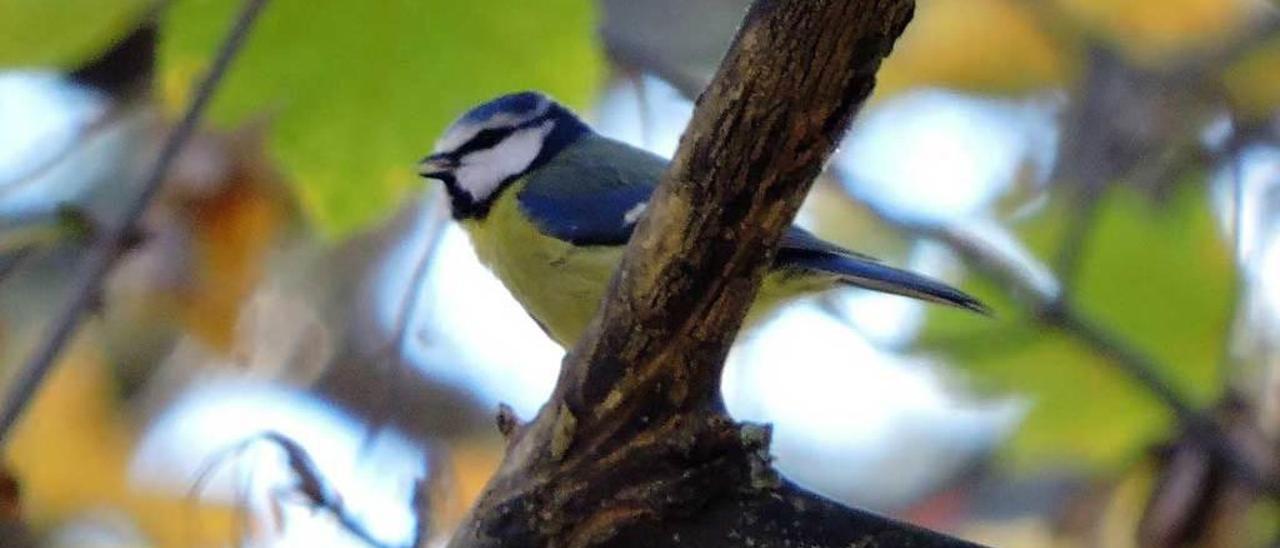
(485,139)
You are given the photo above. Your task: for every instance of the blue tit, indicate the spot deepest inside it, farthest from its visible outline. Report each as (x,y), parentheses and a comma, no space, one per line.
(549,205)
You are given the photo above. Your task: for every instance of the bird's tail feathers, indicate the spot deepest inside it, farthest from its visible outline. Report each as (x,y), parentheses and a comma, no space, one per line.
(887,279)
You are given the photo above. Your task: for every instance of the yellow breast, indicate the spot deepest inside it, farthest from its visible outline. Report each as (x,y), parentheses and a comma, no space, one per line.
(561,285)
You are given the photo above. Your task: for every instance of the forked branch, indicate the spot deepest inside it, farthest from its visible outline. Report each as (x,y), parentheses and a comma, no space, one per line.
(634,447)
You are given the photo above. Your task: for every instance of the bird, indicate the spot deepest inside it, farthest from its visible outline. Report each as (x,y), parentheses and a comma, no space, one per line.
(549,205)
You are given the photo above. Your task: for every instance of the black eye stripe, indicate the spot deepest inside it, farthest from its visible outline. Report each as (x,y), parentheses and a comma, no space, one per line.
(488,138)
(485,139)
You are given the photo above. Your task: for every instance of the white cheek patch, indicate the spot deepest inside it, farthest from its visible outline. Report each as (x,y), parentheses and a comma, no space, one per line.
(481,172)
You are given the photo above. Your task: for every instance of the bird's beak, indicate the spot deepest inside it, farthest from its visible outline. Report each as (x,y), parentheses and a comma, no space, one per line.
(436,166)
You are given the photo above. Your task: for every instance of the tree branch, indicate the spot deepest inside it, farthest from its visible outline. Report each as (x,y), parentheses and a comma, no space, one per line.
(104,256)
(1044,298)
(634,447)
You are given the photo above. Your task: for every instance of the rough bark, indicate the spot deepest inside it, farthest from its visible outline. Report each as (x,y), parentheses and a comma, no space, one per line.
(634,447)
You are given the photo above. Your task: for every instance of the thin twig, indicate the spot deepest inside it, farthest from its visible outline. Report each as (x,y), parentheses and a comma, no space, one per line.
(1128,359)
(393,353)
(24,180)
(104,256)
(311,484)
(1144,369)
(1071,250)
(123,72)
(1044,298)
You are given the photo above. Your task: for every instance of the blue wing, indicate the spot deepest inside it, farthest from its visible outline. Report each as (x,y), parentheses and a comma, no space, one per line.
(593,193)
(604,218)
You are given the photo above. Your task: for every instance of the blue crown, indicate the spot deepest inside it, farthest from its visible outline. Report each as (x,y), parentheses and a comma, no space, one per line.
(515,103)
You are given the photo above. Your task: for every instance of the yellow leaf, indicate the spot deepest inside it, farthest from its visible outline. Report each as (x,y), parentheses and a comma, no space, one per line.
(1153,30)
(993,46)
(471,462)
(71,454)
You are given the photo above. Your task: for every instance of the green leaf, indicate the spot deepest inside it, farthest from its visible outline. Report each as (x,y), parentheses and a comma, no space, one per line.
(358,91)
(62,33)
(1157,275)
(1161,276)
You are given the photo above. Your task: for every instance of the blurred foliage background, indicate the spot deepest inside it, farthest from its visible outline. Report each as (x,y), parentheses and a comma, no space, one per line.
(298,348)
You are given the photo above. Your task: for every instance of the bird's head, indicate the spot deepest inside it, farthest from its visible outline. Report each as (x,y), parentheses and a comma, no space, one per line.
(497,143)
